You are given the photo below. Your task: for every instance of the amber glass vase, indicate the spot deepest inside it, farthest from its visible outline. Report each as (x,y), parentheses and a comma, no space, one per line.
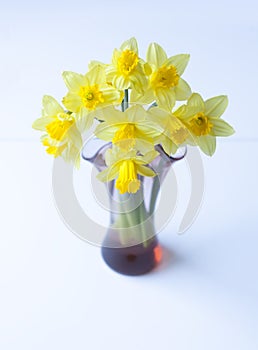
(131,245)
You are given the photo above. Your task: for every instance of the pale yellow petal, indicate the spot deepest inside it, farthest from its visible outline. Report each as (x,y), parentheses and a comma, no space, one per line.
(185,112)
(105,131)
(207,144)
(221,128)
(148,129)
(50,106)
(145,171)
(108,174)
(166,98)
(156,56)
(96,75)
(111,115)
(73,81)
(121,83)
(41,123)
(130,44)
(136,113)
(196,100)
(182,90)
(148,157)
(72,102)
(74,136)
(146,97)
(85,119)
(215,106)
(110,95)
(179,61)
(94,63)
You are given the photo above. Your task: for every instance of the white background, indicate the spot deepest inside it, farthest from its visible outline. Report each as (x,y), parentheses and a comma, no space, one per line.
(55,290)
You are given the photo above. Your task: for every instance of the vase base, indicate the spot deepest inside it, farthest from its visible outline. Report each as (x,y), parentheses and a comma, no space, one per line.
(134,260)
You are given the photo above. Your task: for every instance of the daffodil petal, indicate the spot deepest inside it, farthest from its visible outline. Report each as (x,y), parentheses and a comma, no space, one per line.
(156,56)
(72,102)
(167,144)
(136,113)
(50,106)
(148,157)
(145,171)
(179,61)
(108,174)
(85,119)
(41,123)
(75,137)
(182,90)
(215,106)
(159,116)
(185,112)
(73,81)
(207,144)
(130,44)
(196,100)
(166,98)
(110,95)
(221,128)
(96,75)
(146,97)
(105,131)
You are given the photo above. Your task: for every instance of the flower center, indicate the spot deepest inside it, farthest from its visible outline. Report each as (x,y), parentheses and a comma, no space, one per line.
(127,62)
(91,96)
(200,124)
(125,136)
(58,128)
(127,180)
(165,77)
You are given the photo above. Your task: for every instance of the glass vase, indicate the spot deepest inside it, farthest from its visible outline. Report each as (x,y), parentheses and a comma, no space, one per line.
(131,246)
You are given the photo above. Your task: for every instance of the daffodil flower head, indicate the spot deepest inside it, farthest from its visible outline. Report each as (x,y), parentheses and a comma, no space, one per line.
(88,93)
(173,131)
(127,70)
(165,83)
(126,167)
(61,136)
(203,120)
(128,129)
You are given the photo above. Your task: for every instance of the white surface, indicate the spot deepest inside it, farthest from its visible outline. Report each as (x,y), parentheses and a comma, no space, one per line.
(56,292)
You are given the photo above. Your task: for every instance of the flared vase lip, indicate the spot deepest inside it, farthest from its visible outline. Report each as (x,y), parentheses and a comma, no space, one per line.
(159,148)
(97,152)
(170,159)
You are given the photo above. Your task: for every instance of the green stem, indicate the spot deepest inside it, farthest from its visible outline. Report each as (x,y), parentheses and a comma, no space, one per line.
(125,103)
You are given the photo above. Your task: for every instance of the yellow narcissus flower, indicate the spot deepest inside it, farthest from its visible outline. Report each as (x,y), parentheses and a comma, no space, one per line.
(202,118)
(127,70)
(61,135)
(165,83)
(88,93)
(125,167)
(131,128)
(174,132)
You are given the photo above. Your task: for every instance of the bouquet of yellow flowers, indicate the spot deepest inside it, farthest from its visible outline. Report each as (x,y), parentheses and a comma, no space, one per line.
(138,107)
(115,95)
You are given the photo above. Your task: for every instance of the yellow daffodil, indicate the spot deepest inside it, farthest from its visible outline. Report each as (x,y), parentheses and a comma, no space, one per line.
(88,93)
(125,167)
(174,132)
(165,83)
(127,69)
(61,135)
(131,128)
(202,118)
